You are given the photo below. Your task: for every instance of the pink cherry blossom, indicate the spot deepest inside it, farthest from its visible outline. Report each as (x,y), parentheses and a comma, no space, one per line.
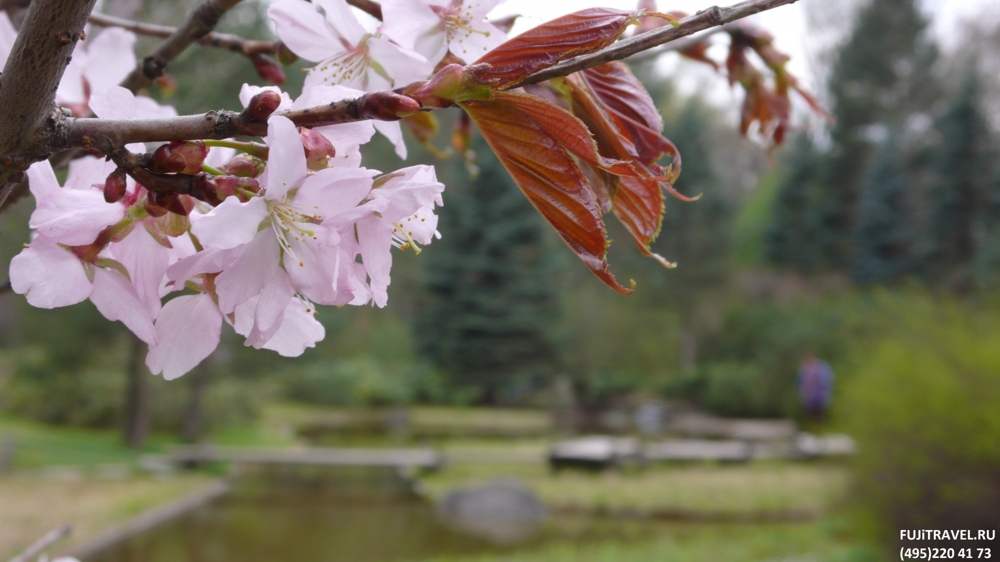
(97,65)
(188,330)
(52,276)
(433,27)
(346,53)
(406,218)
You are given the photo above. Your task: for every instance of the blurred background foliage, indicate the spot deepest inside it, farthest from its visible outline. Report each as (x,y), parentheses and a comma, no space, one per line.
(872,241)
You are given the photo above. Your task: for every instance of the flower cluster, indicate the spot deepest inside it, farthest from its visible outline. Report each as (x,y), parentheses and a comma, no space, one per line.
(264,232)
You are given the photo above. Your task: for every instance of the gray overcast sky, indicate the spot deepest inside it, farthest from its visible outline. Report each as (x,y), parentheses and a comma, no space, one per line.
(787,24)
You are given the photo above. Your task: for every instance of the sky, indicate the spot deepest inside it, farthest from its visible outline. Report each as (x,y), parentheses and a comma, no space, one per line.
(787,23)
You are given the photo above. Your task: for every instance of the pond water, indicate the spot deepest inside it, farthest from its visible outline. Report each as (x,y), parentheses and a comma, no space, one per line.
(332,515)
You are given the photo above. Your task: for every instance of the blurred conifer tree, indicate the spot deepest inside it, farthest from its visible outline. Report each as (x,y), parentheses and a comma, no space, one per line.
(882,78)
(491,296)
(886,239)
(958,195)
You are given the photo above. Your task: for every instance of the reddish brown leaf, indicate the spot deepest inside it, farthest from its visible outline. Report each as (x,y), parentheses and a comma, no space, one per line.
(638,204)
(632,109)
(575,34)
(549,176)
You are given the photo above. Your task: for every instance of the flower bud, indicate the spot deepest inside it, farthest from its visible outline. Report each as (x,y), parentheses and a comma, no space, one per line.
(180,157)
(285,55)
(268,69)
(152,204)
(167,84)
(244,166)
(319,149)
(387,106)
(264,104)
(115,186)
(226,186)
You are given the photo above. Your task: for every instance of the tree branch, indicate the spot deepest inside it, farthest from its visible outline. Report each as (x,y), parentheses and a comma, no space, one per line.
(108,134)
(705,19)
(226,41)
(374,9)
(200,22)
(37,60)
(64,133)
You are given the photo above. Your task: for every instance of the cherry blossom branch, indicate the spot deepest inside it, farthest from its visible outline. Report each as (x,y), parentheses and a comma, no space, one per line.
(374,9)
(226,41)
(33,71)
(705,19)
(200,22)
(108,134)
(137,166)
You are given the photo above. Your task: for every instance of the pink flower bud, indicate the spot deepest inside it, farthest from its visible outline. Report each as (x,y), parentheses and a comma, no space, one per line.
(180,157)
(388,106)
(319,149)
(285,55)
(244,166)
(115,186)
(226,186)
(264,104)
(153,200)
(268,69)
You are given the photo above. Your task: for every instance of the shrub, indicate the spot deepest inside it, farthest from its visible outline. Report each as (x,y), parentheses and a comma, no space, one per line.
(924,405)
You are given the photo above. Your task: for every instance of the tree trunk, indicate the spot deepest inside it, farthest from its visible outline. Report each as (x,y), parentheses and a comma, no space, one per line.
(137,397)
(193,419)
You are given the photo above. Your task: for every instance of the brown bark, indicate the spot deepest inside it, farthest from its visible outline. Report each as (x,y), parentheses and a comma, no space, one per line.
(138,397)
(200,22)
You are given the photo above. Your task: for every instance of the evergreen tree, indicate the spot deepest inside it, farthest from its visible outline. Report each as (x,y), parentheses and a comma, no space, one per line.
(880,80)
(695,235)
(958,192)
(491,294)
(885,241)
(802,234)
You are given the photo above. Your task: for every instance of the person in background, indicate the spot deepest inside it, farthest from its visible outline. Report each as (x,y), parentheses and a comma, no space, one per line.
(815,381)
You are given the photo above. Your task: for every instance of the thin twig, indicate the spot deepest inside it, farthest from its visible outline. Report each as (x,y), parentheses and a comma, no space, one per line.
(674,46)
(42,543)
(705,19)
(200,22)
(6,288)
(226,41)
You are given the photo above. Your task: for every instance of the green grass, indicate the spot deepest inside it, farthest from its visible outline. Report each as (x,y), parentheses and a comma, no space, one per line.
(801,542)
(753,490)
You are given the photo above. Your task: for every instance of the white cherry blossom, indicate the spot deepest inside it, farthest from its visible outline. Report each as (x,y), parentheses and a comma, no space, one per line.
(433,27)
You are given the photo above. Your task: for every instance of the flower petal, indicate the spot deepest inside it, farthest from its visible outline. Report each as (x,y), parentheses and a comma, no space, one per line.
(375,239)
(403,66)
(286,162)
(49,276)
(146,262)
(248,275)
(302,30)
(75,216)
(110,59)
(117,299)
(416,26)
(188,330)
(392,131)
(299,330)
(231,224)
(342,21)
(114,103)
(42,179)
